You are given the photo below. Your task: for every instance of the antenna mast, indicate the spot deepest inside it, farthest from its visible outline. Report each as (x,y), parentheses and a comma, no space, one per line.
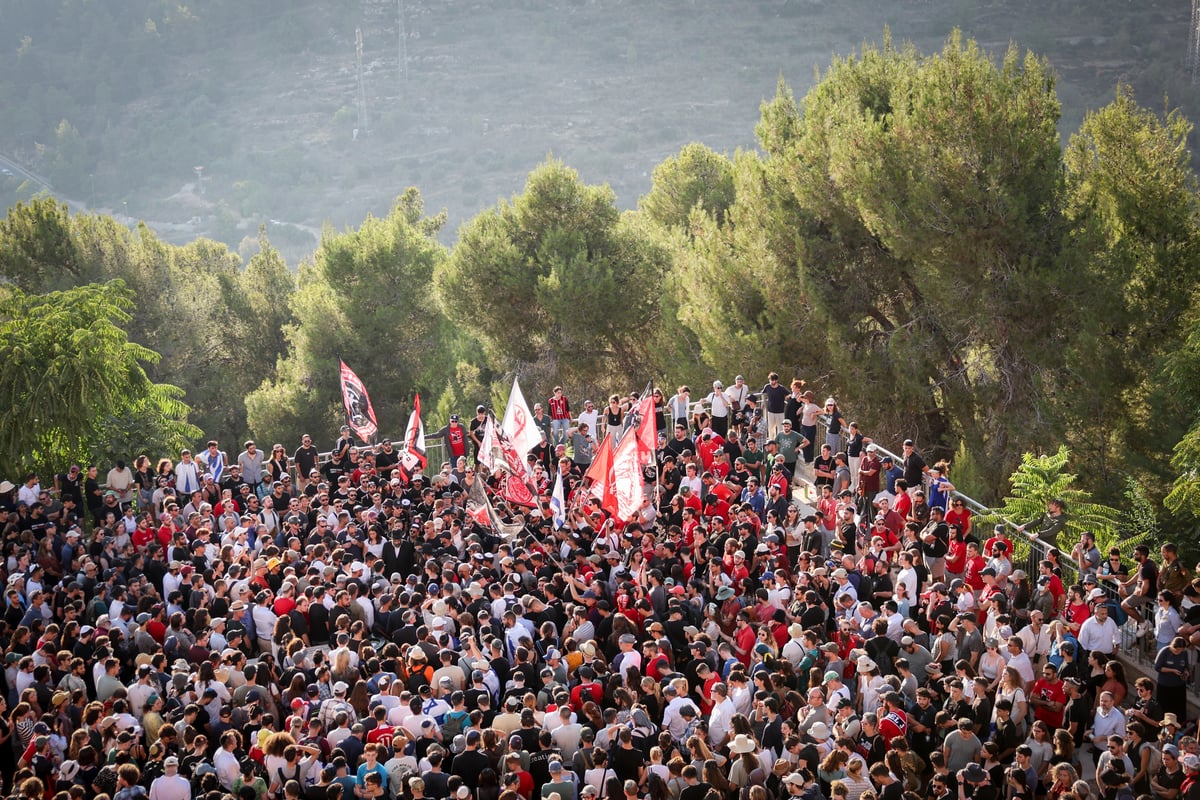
(402,50)
(1193,57)
(362,87)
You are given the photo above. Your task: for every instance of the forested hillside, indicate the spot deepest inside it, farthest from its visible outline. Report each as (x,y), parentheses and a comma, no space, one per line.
(116,103)
(921,233)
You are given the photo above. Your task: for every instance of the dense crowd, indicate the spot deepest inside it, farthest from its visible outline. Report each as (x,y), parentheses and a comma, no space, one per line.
(785,617)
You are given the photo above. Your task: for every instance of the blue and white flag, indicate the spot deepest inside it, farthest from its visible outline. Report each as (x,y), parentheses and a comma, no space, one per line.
(558,503)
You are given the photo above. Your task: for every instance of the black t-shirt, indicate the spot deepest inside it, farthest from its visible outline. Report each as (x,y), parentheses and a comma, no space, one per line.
(626,762)
(826,465)
(775,397)
(941,544)
(914,469)
(306,460)
(1078,710)
(476,429)
(71,487)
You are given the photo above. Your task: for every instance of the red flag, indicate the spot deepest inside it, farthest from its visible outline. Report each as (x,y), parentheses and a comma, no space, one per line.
(647,434)
(358,405)
(515,490)
(413,457)
(627,479)
(600,473)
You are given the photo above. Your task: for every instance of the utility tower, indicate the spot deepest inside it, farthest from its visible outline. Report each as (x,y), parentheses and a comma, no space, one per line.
(402,50)
(362,87)
(1193,57)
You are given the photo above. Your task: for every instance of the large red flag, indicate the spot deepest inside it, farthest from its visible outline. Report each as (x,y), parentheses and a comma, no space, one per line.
(413,457)
(358,404)
(647,434)
(627,479)
(600,473)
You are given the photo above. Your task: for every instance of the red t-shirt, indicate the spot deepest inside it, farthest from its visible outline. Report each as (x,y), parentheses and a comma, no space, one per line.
(956,557)
(381,734)
(960,518)
(744,638)
(971,576)
(893,724)
(1054,693)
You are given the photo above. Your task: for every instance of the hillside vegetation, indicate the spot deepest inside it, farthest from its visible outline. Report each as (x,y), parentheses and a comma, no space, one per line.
(116,103)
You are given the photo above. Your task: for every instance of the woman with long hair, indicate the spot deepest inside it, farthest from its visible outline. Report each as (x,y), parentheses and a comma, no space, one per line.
(1064,747)
(22,720)
(833,434)
(360,698)
(1042,748)
(1012,688)
(743,764)
(1063,777)
(713,775)
(833,768)
(1115,682)
(656,788)
(992,663)
(856,780)
(281,635)
(144,480)
(278,464)
(1016,784)
(206,678)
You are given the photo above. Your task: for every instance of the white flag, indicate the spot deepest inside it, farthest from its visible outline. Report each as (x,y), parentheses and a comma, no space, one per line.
(558,503)
(518,422)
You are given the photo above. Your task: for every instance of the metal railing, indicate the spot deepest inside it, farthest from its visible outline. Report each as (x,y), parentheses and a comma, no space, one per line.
(434,453)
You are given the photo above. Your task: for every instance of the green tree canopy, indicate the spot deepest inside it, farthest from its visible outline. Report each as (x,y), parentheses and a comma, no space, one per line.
(74,387)
(1040,479)
(698,176)
(558,272)
(366,298)
(1132,203)
(216,326)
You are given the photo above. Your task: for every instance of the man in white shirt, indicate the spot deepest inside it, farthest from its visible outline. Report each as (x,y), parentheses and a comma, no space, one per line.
(673,721)
(794,650)
(1035,636)
(225,761)
(1109,721)
(721,717)
(590,415)
(1099,632)
(1018,659)
(171,785)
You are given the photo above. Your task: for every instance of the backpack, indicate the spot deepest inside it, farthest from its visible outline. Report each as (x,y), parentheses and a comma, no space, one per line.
(1155,759)
(452,725)
(283,779)
(866,587)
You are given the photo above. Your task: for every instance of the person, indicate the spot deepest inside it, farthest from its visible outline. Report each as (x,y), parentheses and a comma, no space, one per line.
(774,398)
(1172,670)
(250,461)
(914,466)
(171,785)
(1049,525)
(187,474)
(560,415)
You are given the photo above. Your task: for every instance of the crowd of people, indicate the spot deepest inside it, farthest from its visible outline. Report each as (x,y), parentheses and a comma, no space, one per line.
(276,626)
